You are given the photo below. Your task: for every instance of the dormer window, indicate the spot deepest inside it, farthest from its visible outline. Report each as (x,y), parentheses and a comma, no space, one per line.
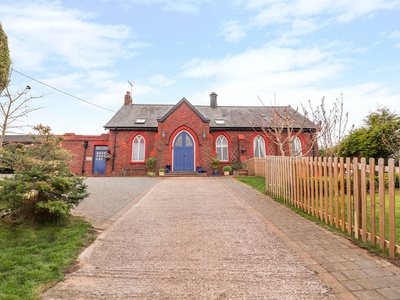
(140,121)
(219,121)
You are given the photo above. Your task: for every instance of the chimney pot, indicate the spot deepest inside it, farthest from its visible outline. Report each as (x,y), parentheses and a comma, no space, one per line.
(213,99)
(128,99)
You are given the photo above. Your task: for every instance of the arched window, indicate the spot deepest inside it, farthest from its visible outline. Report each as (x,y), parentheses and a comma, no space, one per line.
(296,147)
(259,146)
(222,148)
(138,148)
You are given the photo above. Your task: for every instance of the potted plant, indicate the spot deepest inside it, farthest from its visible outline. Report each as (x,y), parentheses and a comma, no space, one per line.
(235,166)
(161,172)
(150,162)
(215,166)
(227,170)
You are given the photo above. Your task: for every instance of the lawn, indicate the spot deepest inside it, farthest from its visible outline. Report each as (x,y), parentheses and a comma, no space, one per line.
(256,182)
(33,257)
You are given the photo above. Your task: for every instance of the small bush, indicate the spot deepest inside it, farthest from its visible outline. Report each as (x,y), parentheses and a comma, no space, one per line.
(215,164)
(227,168)
(43,188)
(150,163)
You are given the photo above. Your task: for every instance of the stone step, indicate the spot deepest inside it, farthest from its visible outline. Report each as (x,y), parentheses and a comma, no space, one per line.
(184,174)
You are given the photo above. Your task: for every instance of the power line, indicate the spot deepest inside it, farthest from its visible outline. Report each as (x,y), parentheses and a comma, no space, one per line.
(58,90)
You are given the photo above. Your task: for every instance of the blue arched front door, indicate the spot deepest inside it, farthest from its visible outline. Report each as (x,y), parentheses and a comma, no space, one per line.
(183,152)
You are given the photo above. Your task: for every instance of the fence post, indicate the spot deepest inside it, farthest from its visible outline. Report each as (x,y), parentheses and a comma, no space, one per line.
(382,215)
(392,209)
(341,168)
(321,189)
(363,187)
(316,192)
(372,195)
(330,191)
(326,189)
(312,178)
(348,191)
(336,185)
(356,186)
(308,190)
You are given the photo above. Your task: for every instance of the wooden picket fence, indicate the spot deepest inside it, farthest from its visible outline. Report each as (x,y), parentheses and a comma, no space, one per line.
(351,195)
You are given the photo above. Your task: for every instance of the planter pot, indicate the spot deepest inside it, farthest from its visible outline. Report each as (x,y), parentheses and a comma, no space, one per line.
(226,173)
(215,173)
(161,173)
(243,172)
(235,172)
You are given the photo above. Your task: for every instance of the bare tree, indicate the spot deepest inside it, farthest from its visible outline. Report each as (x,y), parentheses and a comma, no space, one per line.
(332,126)
(326,127)
(13,108)
(284,126)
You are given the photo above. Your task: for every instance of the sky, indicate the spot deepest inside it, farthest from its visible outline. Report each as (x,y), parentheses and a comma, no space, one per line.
(282,52)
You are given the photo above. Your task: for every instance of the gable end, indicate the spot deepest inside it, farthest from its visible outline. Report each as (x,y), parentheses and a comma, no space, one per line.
(184,100)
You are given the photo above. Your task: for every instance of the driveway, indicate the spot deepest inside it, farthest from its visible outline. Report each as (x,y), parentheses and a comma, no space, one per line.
(186,238)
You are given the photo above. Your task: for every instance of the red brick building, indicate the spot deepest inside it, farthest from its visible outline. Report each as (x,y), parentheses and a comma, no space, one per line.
(182,138)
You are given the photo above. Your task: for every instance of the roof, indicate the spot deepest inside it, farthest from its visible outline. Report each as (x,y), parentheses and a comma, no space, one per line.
(228,117)
(19,138)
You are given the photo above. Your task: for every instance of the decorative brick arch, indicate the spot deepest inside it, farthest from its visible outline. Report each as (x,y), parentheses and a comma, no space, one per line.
(194,137)
(146,146)
(266,142)
(228,138)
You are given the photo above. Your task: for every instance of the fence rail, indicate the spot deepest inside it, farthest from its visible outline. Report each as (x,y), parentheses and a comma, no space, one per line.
(353,196)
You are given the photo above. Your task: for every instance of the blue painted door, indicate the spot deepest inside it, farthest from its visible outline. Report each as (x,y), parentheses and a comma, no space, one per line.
(99,160)
(183,152)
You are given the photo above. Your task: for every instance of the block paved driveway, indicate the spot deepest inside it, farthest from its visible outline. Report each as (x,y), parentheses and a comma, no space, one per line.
(213,238)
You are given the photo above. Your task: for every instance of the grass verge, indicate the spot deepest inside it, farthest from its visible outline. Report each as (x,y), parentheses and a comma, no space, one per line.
(35,257)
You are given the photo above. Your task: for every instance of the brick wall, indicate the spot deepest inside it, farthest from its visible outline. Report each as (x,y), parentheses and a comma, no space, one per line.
(120,147)
(184,118)
(81,162)
(159,144)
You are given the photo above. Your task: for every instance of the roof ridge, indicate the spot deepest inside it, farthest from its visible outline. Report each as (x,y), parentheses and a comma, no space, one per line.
(246,106)
(148,104)
(204,105)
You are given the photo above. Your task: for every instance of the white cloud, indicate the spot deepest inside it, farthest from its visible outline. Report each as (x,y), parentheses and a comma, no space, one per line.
(186,6)
(233,31)
(42,33)
(394,35)
(257,63)
(310,14)
(293,76)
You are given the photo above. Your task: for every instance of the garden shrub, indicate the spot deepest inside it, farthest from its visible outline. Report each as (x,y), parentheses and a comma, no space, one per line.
(42,187)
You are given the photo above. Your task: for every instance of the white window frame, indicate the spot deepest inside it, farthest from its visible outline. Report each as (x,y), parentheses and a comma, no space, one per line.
(138,148)
(259,146)
(221,144)
(296,146)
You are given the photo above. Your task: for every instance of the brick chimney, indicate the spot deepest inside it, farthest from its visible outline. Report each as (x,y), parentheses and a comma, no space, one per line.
(128,99)
(213,99)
